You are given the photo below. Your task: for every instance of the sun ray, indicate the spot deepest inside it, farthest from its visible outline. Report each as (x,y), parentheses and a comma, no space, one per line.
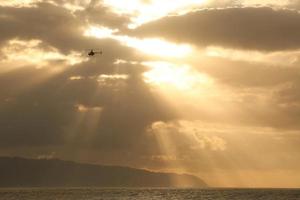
(145,11)
(181,77)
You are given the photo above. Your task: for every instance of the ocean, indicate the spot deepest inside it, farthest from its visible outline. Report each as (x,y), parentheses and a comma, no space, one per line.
(146,194)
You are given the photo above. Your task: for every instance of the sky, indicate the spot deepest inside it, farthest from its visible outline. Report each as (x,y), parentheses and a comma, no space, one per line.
(204,87)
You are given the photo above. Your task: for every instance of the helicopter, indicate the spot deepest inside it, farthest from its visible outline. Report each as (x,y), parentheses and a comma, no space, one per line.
(92,52)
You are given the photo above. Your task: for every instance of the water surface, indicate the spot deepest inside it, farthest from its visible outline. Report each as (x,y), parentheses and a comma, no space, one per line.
(147,194)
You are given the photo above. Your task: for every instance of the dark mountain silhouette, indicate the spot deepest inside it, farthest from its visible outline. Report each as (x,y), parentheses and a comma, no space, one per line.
(21,172)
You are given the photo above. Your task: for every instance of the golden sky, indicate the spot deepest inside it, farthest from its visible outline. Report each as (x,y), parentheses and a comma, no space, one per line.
(204,87)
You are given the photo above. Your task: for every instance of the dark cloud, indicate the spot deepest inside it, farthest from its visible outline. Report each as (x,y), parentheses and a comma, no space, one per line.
(100,15)
(266,95)
(294,4)
(47,22)
(28,119)
(290,93)
(54,26)
(245,28)
(95,12)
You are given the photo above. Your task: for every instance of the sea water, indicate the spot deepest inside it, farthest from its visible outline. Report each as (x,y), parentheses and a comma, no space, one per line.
(146,194)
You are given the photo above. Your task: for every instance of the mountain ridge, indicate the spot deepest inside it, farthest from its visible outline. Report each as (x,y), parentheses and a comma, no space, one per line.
(25,172)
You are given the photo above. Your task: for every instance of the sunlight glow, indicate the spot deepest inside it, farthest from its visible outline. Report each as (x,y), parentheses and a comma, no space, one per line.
(112,76)
(83,108)
(75,78)
(181,77)
(158,47)
(100,32)
(120,61)
(145,11)
(20,3)
(108,79)
(150,46)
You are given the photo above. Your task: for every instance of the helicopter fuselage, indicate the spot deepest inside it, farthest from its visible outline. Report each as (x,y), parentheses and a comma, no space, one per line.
(92,53)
